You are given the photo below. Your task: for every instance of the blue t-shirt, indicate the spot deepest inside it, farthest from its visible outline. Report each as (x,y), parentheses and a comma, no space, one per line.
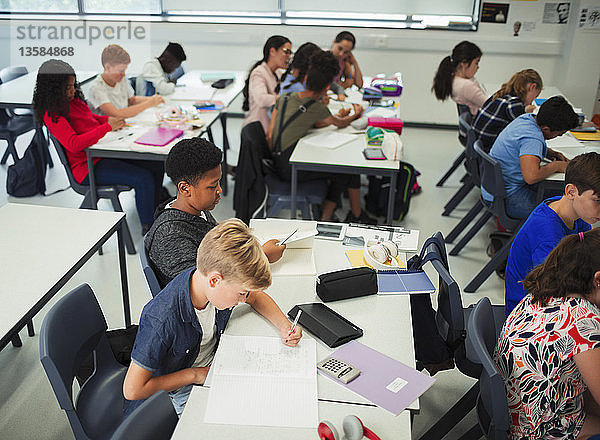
(288,87)
(540,233)
(521,137)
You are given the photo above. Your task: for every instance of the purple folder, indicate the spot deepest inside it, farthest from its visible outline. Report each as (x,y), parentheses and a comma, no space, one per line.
(382,379)
(159,136)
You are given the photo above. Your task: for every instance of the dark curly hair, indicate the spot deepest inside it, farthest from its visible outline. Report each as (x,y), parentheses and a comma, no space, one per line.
(324,66)
(189,159)
(569,268)
(50,93)
(301,61)
(557,114)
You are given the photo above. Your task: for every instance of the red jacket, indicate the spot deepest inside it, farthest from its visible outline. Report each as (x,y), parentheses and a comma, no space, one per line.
(82,130)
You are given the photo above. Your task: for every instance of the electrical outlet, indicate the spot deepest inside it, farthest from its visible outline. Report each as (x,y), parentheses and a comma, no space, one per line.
(381,41)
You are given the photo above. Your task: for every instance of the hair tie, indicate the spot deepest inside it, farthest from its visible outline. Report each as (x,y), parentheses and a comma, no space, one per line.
(581,236)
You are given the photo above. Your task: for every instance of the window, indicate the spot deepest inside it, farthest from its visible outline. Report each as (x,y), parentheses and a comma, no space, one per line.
(39,5)
(122,6)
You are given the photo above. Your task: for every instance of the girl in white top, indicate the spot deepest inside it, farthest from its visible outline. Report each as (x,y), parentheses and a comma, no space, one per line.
(259,92)
(111,94)
(455,77)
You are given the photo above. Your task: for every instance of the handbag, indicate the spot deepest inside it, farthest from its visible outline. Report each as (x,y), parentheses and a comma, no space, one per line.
(347,283)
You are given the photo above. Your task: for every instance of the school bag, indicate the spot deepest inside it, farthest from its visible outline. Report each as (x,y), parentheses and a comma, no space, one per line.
(376,200)
(26,177)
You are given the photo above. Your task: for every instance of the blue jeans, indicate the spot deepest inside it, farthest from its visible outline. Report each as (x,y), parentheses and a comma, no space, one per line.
(144,176)
(520,203)
(180,397)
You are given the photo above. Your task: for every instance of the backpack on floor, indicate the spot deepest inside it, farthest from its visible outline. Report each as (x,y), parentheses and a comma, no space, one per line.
(376,200)
(26,177)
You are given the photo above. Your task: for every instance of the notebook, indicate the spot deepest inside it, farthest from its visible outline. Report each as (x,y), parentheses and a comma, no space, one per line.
(391,282)
(330,139)
(159,136)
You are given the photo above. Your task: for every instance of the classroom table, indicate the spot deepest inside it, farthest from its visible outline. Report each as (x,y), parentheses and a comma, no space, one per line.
(387,325)
(42,248)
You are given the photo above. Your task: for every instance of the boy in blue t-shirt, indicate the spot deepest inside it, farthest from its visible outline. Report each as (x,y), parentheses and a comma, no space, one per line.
(551,220)
(520,149)
(180,327)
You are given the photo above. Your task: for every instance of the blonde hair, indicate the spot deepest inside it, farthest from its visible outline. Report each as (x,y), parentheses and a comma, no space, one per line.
(115,54)
(231,249)
(517,84)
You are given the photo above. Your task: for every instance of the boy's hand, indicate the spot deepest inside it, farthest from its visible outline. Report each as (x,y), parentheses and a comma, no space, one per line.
(559,166)
(343,112)
(291,339)
(156,100)
(555,155)
(200,374)
(272,250)
(357,110)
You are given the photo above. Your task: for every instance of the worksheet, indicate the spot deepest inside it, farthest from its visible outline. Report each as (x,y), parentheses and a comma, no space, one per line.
(259,381)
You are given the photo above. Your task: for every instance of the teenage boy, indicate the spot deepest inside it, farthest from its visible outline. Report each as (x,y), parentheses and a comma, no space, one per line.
(157,70)
(180,328)
(520,149)
(295,114)
(551,220)
(194,166)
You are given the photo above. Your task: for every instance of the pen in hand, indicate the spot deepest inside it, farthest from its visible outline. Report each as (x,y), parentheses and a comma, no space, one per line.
(281,243)
(295,321)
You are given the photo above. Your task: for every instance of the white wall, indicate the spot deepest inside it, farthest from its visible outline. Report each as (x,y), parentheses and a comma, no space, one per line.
(564,55)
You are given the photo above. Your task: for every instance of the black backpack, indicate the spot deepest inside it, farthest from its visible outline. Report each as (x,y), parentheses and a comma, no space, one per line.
(376,199)
(26,177)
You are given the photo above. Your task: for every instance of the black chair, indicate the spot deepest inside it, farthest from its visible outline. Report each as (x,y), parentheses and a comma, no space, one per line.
(110,192)
(154,419)
(74,329)
(464,123)
(151,278)
(450,319)
(492,405)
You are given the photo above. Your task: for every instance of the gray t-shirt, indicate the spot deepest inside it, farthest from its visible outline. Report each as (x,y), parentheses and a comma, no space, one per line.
(101,93)
(300,126)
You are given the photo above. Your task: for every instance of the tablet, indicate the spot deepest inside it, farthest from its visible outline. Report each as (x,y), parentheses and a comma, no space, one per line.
(331,231)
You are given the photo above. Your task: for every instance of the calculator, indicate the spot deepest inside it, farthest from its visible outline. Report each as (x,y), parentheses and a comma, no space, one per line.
(339,370)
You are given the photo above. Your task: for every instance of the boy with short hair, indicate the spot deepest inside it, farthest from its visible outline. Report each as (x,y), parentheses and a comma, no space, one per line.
(180,328)
(520,149)
(194,166)
(551,220)
(156,71)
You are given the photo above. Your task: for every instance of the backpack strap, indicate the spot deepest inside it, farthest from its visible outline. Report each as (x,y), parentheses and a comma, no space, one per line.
(282,126)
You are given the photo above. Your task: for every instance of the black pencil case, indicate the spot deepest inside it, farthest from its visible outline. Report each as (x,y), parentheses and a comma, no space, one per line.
(347,283)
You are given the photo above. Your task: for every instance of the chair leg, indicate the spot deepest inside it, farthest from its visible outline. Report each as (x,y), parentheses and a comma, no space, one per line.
(471,233)
(127,234)
(16,340)
(30,329)
(487,270)
(462,224)
(458,197)
(454,415)
(460,159)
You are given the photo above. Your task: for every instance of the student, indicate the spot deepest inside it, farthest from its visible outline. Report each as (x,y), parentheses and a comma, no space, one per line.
(294,78)
(512,100)
(455,77)
(259,91)
(180,328)
(549,349)
(194,166)
(156,71)
(111,94)
(59,104)
(520,148)
(308,111)
(553,219)
(349,72)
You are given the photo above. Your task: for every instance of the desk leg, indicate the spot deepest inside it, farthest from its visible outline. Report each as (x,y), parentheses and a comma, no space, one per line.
(293,194)
(123,270)
(16,340)
(223,118)
(392,198)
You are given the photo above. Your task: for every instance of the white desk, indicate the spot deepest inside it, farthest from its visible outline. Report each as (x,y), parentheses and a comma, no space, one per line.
(41,248)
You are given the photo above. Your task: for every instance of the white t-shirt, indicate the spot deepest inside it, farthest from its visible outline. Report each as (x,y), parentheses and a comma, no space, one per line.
(152,71)
(206,318)
(101,93)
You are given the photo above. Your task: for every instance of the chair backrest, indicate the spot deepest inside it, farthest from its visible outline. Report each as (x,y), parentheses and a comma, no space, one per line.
(492,406)
(472,159)
(151,279)
(154,419)
(12,72)
(465,119)
(62,155)
(72,330)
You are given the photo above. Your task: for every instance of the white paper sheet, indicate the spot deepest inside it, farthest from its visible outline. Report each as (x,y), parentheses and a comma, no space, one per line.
(259,381)
(330,139)
(295,262)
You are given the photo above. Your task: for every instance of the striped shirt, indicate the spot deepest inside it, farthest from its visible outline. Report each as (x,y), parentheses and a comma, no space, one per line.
(494,116)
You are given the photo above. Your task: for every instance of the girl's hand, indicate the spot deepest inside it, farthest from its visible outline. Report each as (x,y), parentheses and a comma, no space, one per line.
(357,110)
(341,97)
(343,112)
(291,339)
(116,123)
(529,108)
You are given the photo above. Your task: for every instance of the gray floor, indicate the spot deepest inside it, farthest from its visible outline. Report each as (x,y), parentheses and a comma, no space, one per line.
(28,408)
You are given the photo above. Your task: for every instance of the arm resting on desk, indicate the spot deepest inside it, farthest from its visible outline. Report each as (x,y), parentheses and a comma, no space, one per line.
(264,304)
(62,130)
(342,119)
(534,173)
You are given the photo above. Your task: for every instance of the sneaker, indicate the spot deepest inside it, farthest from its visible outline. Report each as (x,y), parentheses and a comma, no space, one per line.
(363,218)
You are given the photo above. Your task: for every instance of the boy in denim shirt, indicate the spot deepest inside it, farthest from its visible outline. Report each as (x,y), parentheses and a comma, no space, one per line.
(180,328)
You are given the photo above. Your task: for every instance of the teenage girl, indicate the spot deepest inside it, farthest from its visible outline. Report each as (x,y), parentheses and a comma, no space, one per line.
(259,91)
(349,72)
(294,78)
(455,77)
(512,100)
(549,349)
(59,104)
